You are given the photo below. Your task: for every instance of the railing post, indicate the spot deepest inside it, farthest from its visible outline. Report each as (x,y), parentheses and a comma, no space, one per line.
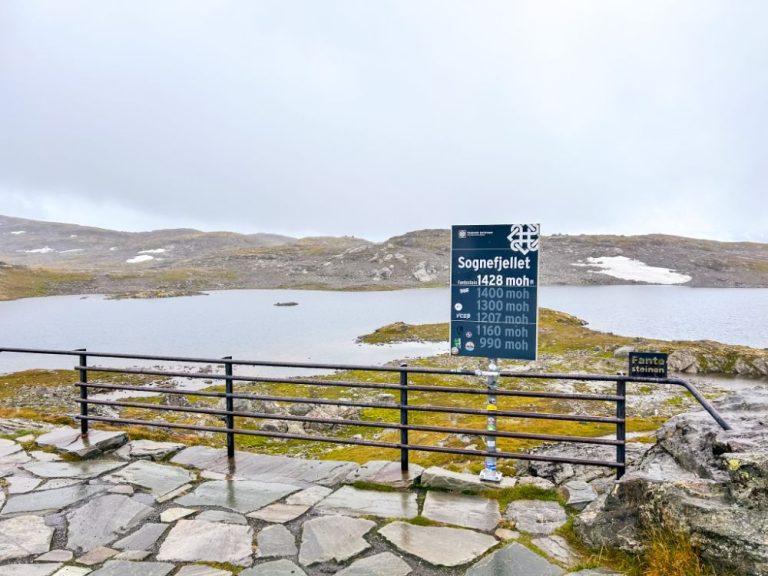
(404,418)
(490,473)
(83,392)
(621,427)
(229,402)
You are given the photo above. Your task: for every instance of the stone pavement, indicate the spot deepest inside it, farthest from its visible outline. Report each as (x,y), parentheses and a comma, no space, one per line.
(160,509)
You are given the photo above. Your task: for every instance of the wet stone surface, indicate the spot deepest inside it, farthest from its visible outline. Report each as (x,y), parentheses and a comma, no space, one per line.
(159,479)
(142,539)
(438,546)
(384,564)
(29,569)
(513,560)
(80,470)
(333,538)
(261,515)
(201,570)
(24,536)
(198,541)
(104,519)
(536,516)
(148,450)
(69,441)
(467,511)
(239,495)
(276,541)
(353,502)
(123,568)
(386,473)
(275,568)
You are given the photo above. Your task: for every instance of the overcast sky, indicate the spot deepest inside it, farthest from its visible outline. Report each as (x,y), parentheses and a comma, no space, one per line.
(372,118)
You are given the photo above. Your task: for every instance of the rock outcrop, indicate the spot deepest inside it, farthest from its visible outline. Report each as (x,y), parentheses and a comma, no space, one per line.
(700,480)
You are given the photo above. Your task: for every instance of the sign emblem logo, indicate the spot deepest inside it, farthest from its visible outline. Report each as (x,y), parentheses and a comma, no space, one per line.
(524,238)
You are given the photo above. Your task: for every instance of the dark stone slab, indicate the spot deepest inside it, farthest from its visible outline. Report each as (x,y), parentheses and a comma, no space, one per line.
(266,468)
(50,500)
(514,560)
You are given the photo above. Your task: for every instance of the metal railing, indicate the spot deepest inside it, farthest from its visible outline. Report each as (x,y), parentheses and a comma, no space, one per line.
(405,406)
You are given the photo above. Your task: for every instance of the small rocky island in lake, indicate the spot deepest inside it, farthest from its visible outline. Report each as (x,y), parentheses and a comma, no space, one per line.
(286,303)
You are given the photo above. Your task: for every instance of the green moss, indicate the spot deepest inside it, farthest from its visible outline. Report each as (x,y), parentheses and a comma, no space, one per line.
(526,492)
(22,282)
(402,332)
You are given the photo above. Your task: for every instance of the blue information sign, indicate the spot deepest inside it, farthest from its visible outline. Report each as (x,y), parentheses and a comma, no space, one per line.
(494,281)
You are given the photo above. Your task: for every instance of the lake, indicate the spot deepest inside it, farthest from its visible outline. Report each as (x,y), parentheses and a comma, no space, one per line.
(323,327)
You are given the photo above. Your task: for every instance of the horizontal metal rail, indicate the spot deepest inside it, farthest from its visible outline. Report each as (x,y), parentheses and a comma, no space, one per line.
(352,384)
(404,407)
(344,422)
(356,442)
(356,404)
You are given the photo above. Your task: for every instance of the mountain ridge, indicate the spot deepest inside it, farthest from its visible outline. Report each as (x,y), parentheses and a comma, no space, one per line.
(181,260)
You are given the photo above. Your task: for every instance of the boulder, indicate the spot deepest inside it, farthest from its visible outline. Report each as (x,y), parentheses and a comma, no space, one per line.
(699,480)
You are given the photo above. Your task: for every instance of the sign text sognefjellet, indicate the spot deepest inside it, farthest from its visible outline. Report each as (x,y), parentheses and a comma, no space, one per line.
(494,281)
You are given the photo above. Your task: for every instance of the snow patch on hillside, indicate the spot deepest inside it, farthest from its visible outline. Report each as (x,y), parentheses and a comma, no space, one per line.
(629,269)
(155,251)
(43,250)
(141,258)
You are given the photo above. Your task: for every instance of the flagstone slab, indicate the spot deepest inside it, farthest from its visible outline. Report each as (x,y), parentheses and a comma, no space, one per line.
(70,441)
(104,519)
(275,540)
(76,470)
(536,516)
(438,546)
(159,479)
(143,539)
(221,516)
(276,568)
(29,569)
(514,560)
(73,571)
(201,570)
(41,456)
(173,514)
(133,555)
(578,494)
(56,556)
(59,483)
(436,477)
(248,465)
(96,556)
(24,536)
(239,495)
(384,564)
(467,511)
(279,513)
(50,500)
(333,538)
(8,447)
(147,450)
(175,493)
(557,547)
(309,496)
(22,484)
(124,568)
(386,473)
(351,501)
(198,541)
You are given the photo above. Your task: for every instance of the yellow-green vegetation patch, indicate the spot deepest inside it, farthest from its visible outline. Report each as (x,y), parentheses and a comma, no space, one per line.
(402,332)
(22,282)
(522,492)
